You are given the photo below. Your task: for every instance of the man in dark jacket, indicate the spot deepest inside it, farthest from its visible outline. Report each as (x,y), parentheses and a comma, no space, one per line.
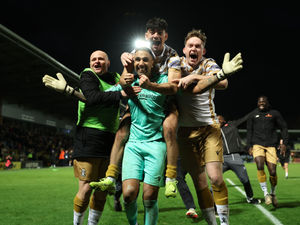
(231,152)
(262,140)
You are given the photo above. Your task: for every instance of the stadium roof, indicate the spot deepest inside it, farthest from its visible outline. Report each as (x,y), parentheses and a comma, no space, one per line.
(22,68)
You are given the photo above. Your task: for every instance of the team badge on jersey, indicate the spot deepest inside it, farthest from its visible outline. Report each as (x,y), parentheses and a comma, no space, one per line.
(83,172)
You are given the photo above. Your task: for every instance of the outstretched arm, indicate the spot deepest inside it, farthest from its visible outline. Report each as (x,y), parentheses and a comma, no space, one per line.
(217,81)
(239,121)
(230,67)
(60,85)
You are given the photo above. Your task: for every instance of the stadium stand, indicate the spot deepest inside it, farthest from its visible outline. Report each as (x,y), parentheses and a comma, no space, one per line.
(22,93)
(31,115)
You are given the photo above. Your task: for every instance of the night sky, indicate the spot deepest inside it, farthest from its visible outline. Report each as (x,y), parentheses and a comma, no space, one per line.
(267,36)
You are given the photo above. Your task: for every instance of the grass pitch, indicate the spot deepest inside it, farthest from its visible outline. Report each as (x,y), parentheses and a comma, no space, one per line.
(45,197)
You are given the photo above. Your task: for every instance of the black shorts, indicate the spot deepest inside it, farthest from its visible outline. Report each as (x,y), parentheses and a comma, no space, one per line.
(284,159)
(91,143)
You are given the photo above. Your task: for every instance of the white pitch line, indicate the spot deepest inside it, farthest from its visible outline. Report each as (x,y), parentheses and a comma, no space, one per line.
(274,220)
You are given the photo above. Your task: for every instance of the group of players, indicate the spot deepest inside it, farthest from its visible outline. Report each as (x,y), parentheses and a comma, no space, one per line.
(170,113)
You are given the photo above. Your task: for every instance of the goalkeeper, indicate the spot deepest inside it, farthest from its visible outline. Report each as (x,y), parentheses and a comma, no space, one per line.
(199,134)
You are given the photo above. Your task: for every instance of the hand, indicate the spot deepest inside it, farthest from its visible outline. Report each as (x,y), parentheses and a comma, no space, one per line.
(127,61)
(230,67)
(282,148)
(131,91)
(184,82)
(144,81)
(59,85)
(126,58)
(126,79)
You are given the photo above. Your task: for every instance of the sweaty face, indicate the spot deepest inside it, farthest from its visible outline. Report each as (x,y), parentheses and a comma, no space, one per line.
(157,39)
(143,63)
(99,62)
(262,103)
(193,51)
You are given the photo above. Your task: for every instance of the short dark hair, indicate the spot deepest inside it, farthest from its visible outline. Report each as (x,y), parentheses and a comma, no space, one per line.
(156,23)
(268,105)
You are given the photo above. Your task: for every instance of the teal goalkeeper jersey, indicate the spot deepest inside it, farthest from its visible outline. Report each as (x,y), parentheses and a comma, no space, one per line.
(147,113)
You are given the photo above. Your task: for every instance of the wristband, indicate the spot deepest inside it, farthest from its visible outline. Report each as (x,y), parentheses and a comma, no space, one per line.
(69,90)
(220,75)
(65,88)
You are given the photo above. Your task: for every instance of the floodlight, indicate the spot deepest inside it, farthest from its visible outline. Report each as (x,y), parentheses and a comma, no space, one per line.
(139,43)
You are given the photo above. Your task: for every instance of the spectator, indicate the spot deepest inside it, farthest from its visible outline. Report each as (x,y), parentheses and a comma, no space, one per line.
(61,158)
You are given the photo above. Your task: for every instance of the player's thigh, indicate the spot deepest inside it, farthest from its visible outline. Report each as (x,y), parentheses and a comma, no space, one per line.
(271,155)
(241,172)
(190,158)
(154,158)
(90,169)
(133,162)
(213,143)
(258,150)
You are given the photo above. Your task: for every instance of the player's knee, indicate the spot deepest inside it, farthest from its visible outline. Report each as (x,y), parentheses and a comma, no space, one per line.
(150,194)
(129,193)
(272,172)
(169,130)
(85,191)
(216,180)
(122,134)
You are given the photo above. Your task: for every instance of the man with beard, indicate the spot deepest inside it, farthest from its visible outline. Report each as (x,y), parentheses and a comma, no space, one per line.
(156,34)
(145,151)
(262,141)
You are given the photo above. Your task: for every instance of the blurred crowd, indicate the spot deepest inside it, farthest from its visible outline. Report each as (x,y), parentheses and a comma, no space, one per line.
(25,141)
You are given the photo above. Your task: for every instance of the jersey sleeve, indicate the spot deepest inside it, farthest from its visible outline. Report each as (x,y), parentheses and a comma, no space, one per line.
(174,62)
(117,87)
(210,67)
(89,86)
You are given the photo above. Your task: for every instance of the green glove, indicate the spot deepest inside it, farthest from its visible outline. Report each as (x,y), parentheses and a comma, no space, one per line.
(59,85)
(230,67)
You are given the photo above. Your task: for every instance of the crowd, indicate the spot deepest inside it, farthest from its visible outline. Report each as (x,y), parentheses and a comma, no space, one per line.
(24,141)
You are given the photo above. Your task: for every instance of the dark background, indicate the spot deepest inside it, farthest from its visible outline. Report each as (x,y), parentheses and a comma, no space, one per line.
(267,36)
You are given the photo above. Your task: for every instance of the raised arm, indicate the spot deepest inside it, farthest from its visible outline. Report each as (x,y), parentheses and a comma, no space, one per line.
(218,80)
(60,85)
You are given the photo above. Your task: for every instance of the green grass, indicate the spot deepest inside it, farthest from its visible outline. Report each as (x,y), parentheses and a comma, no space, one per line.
(45,197)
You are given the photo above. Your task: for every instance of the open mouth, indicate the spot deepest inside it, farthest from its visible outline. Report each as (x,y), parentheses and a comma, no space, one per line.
(97,66)
(156,42)
(141,70)
(193,56)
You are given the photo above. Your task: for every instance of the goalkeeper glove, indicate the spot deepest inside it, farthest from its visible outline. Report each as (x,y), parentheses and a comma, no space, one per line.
(59,85)
(230,67)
